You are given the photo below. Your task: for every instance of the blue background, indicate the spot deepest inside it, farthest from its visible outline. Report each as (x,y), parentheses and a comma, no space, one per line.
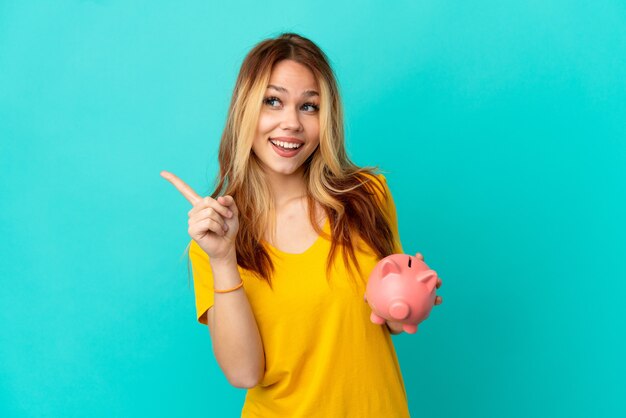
(501,125)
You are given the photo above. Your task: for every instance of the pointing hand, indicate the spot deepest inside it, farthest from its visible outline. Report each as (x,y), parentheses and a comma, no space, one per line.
(213,223)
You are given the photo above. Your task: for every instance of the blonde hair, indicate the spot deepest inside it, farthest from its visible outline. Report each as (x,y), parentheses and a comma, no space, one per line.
(333,181)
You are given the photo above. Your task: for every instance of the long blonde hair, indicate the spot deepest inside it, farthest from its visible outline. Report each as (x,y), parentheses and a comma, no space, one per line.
(345,191)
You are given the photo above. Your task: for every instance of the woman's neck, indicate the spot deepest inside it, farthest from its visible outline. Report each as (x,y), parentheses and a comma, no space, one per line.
(286,188)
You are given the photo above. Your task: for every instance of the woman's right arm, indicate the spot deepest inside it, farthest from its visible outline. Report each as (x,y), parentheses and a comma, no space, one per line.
(234,333)
(213,225)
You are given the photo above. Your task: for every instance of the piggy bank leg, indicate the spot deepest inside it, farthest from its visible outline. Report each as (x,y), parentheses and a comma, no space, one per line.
(409,329)
(377,319)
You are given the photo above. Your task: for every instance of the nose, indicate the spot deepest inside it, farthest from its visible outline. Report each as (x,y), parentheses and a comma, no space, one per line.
(291,120)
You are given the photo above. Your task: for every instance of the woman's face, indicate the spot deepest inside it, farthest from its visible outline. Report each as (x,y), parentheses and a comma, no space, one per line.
(288,129)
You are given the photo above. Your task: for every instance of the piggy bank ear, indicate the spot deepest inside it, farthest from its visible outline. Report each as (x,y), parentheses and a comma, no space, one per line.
(429,278)
(389,266)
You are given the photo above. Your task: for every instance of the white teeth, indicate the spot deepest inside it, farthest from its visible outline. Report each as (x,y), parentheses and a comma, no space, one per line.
(285,144)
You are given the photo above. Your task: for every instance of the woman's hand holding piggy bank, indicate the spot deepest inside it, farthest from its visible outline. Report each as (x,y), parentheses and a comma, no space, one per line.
(401,291)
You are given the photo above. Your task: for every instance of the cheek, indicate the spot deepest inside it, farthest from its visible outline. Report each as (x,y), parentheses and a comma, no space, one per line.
(266,123)
(313,128)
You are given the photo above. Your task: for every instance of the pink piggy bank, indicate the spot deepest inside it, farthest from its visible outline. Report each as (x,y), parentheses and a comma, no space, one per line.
(401,288)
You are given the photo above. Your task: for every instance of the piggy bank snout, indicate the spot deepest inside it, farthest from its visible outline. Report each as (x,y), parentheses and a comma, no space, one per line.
(399,310)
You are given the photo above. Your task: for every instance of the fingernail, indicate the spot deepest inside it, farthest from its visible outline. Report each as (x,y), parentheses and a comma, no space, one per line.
(225,227)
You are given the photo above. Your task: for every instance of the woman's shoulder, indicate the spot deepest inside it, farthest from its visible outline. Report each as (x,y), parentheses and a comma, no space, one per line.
(372,175)
(375,182)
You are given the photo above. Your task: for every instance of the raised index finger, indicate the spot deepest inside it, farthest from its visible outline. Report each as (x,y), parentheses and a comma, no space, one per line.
(182,187)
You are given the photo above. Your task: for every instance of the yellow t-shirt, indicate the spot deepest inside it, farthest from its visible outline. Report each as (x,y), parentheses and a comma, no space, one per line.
(323,355)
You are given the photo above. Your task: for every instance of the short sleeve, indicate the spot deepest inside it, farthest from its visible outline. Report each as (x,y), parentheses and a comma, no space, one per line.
(393,216)
(202,280)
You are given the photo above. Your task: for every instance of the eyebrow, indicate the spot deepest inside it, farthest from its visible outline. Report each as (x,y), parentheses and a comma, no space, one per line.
(306,93)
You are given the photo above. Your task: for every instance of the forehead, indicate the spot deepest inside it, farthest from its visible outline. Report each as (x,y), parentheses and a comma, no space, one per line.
(293,76)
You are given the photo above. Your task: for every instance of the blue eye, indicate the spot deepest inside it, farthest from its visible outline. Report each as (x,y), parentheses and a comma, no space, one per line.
(315,107)
(270,102)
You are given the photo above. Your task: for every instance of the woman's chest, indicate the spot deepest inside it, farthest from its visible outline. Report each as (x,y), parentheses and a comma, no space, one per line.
(302,287)
(294,233)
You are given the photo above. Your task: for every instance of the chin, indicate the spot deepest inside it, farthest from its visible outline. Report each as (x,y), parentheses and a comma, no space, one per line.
(283,170)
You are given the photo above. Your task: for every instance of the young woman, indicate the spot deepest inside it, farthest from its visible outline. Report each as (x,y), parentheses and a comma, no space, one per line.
(282,249)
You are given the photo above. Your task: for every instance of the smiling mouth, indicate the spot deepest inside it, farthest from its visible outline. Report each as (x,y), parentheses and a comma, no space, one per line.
(287,146)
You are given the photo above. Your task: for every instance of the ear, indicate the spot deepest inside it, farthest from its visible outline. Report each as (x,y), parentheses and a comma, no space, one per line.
(389,266)
(429,278)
